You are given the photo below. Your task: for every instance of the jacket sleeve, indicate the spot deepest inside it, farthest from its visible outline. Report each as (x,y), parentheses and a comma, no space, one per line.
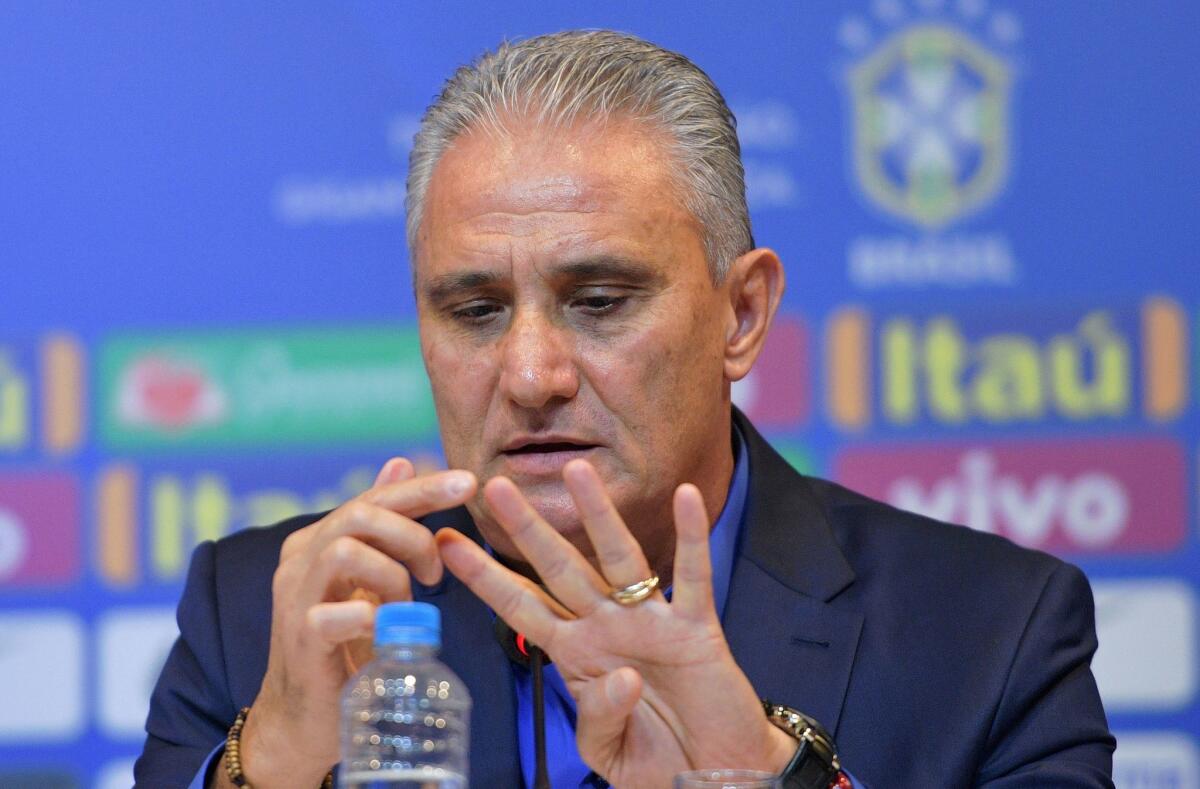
(191,708)
(1050,728)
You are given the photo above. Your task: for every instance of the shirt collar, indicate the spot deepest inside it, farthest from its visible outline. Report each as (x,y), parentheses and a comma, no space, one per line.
(723,539)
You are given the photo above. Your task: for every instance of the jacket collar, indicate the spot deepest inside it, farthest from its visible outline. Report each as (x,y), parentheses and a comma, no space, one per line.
(789,628)
(805,556)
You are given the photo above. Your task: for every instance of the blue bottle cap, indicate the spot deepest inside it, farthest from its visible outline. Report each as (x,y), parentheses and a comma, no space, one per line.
(408,623)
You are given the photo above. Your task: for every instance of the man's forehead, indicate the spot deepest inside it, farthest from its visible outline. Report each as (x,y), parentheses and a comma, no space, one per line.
(528,167)
(594,185)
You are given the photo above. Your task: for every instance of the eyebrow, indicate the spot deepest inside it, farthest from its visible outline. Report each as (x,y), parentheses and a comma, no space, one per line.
(605,266)
(627,270)
(444,286)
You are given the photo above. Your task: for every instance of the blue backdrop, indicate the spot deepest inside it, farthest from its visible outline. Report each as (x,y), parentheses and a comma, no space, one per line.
(987,209)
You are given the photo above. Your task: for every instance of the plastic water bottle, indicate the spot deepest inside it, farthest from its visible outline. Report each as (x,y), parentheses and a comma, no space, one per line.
(405,717)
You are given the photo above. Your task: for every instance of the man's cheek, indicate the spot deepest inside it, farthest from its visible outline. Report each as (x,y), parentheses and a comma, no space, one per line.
(455,371)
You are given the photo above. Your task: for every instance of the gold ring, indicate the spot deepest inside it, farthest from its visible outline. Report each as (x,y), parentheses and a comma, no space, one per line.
(635,593)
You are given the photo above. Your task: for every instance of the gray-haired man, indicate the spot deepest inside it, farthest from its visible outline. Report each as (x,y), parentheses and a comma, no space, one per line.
(587,290)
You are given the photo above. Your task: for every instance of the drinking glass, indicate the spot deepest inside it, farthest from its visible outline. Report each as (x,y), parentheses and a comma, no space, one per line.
(727,779)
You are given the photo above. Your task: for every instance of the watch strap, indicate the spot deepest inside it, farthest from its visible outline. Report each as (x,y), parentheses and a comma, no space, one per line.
(815,764)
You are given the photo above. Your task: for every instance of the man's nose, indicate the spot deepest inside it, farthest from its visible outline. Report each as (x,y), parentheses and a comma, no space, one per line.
(538,361)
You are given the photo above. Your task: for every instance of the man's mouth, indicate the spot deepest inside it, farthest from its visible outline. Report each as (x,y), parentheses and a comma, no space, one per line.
(548,446)
(538,456)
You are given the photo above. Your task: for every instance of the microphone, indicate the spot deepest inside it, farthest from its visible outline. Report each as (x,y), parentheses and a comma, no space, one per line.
(518,648)
(526,654)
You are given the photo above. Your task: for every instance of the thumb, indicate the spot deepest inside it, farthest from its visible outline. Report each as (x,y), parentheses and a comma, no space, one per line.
(603,710)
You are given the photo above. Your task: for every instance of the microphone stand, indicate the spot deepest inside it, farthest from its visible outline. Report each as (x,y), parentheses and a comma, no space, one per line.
(528,655)
(541,779)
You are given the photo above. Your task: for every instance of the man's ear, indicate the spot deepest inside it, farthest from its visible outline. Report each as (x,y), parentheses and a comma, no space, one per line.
(755,284)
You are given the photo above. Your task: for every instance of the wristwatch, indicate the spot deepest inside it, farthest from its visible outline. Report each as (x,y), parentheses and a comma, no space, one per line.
(815,765)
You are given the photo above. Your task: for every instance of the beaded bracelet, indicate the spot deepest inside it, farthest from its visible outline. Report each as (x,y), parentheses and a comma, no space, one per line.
(233,754)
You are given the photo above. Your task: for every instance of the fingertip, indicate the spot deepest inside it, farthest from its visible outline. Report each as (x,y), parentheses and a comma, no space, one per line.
(495,484)
(446,535)
(459,484)
(396,469)
(577,470)
(451,548)
(691,515)
(404,469)
(385,472)
(431,573)
(502,496)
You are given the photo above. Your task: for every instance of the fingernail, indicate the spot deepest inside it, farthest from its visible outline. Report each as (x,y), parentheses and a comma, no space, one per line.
(457,482)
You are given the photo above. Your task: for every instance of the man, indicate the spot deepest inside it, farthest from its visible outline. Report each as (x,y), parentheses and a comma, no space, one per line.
(587,290)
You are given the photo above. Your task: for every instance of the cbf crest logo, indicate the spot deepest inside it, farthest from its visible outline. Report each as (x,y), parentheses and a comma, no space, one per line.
(931,108)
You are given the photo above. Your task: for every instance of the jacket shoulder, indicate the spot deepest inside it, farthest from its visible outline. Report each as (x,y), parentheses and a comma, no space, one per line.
(876,537)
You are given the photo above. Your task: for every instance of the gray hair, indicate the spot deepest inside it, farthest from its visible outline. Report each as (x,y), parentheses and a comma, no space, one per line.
(559,78)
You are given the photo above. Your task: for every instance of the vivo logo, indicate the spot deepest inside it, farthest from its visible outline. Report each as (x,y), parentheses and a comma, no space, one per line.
(1125,495)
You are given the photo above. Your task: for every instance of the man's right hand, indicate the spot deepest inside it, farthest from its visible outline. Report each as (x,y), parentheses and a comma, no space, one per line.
(370,544)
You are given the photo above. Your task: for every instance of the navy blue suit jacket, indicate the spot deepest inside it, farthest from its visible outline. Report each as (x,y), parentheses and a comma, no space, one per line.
(936,655)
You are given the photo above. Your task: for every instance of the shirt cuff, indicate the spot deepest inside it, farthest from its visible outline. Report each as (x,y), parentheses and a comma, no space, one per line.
(201,779)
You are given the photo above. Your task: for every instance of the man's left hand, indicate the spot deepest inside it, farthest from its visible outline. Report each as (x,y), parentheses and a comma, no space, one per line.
(657,690)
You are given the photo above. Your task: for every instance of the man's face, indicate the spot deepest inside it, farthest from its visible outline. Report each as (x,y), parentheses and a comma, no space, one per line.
(566,310)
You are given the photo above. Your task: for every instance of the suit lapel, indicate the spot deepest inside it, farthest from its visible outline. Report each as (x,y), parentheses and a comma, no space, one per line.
(787,626)
(471,650)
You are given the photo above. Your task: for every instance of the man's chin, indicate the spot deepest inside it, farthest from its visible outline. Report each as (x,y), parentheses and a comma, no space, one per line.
(559,514)
(550,499)
(554,504)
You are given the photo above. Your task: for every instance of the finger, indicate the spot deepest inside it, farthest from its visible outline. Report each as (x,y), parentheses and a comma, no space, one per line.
(515,599)
(396,469)
(603,709)
(559,564)
(420,496)
(692,594)
(620,556)
(347,565)
(336,623)
(399,537)
(410,498)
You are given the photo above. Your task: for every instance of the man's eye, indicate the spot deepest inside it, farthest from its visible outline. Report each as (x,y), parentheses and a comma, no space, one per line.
(598,305)
(476,313)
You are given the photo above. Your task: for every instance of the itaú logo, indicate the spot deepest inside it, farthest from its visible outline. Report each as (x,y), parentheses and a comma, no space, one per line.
(1103,495)
(148,522)
(1006,368)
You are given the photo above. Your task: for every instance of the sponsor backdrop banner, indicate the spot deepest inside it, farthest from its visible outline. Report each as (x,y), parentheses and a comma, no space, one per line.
(987,209)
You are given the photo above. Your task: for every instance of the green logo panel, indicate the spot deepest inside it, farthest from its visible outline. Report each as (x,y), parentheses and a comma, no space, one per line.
(264,388)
